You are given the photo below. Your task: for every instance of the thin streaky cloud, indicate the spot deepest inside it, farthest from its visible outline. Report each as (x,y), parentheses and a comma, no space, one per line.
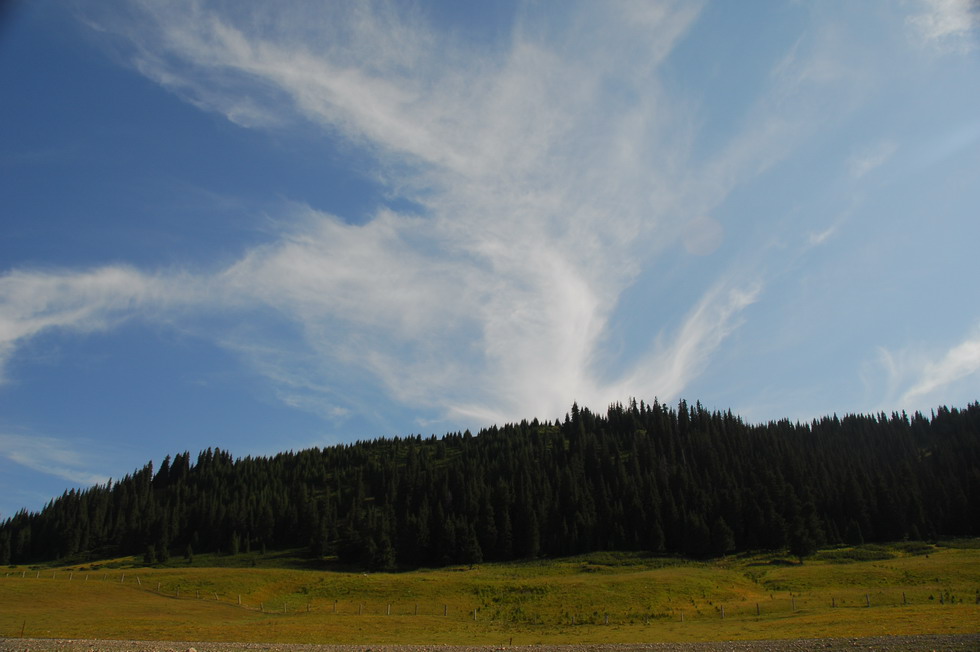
(32,302)
(871,158)
(549,171)
(958,363)
(60,458)
(948,26)
(672,365)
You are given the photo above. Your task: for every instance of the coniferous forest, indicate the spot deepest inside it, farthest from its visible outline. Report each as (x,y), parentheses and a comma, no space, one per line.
(639,477)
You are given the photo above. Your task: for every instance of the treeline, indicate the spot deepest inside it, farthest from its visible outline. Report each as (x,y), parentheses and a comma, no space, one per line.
(639,477)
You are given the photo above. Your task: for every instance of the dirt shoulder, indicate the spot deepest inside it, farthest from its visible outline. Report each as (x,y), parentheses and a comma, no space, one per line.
(923,643)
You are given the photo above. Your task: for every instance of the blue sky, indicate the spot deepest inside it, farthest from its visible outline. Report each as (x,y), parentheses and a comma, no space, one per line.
(270,229)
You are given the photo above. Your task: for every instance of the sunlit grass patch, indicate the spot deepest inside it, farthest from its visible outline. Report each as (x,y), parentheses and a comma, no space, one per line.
(605,597)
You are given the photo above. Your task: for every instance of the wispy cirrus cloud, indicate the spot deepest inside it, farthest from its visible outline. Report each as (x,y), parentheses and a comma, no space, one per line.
(549,170)
(870,158)
(60,458)
(917,377)
(949,26)
(35,301)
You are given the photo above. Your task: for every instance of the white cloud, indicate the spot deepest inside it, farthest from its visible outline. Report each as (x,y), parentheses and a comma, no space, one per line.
(947,25)
(669,367)
(870,158)
(549,172)
(919,378)
(34,301)
(961,361)
(815,239)
(52,456)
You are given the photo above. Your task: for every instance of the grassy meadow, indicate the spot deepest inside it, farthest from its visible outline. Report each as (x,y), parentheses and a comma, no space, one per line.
(912,588)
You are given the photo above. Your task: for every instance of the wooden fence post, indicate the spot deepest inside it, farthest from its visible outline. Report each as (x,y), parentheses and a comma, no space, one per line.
(723,612)
(758,610)
(445,610)
(867,597)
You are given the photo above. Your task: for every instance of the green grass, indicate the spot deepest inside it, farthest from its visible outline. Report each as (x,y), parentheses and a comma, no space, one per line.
(913,588)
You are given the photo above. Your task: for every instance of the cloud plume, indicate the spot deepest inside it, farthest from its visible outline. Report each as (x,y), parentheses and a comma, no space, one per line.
(545,172)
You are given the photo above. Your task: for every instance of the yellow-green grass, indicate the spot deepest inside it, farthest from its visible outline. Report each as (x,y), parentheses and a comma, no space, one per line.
(645,599)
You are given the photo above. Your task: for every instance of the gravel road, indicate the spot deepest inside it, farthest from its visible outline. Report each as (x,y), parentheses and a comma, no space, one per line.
(924,643)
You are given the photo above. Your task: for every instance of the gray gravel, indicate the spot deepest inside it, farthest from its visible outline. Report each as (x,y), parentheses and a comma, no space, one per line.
(923,643)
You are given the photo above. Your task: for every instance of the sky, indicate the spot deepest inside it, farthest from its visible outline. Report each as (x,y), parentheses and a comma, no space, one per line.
(272,226)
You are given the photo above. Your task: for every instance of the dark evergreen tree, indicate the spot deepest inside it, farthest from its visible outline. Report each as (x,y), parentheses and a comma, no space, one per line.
(642,476)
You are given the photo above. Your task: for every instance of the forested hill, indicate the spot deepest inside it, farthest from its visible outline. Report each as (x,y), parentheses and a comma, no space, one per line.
(639,477)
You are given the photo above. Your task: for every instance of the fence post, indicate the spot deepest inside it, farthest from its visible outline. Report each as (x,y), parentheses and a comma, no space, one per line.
(335,606)
(758,611)
(445,610)
(389,610)
(360,608)
(867,597)
(239,599)
(416,608)
(723,612)
(904,599)
(794,603)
